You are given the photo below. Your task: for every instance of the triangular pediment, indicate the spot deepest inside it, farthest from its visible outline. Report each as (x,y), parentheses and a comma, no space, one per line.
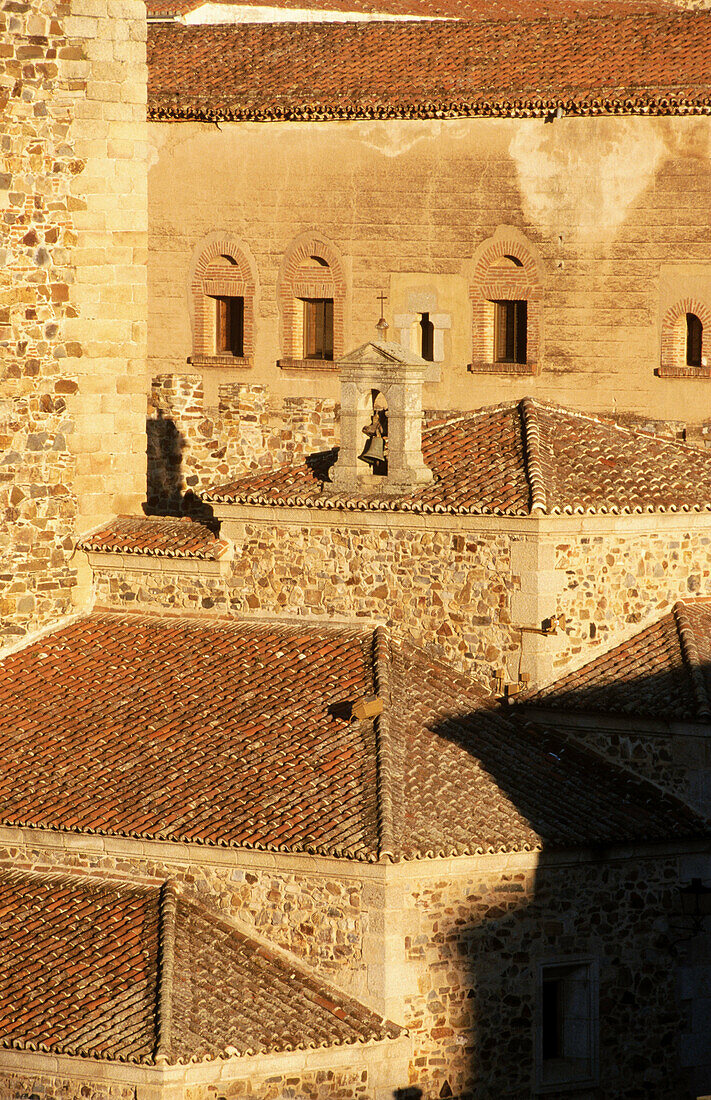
(381,353)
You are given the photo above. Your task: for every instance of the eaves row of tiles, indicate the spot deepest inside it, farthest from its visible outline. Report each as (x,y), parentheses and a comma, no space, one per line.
(653,63)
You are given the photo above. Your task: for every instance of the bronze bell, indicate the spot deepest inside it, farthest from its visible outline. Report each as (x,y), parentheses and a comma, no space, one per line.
(374,451)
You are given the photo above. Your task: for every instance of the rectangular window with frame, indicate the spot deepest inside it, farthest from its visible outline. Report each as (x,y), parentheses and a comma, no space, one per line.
(229,326)
(510,331)
(567,1031)
(318,328)
(427,337)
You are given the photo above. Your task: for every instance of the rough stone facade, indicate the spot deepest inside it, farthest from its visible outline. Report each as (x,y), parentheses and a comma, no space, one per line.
(462,593)
(473,938)
(450,592)
(37,498)
(19,1086)
(321,915)
(72,289)
(675,756)
(324,1084)
(612,582)
(297,1083)
(193,445)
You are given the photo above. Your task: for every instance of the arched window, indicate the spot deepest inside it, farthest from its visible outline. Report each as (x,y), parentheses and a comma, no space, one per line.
(505,292)
(684,340)
(223,287)
(312,296)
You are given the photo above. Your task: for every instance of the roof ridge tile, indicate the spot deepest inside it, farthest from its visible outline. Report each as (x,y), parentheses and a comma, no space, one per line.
(166,965)
(532,455)
(382,661)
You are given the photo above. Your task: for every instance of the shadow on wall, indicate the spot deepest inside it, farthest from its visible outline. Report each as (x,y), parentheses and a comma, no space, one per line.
(561,980)
(165,492)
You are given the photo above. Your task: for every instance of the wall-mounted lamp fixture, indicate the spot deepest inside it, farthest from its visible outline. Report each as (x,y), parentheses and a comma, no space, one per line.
(695,903)
(548,626)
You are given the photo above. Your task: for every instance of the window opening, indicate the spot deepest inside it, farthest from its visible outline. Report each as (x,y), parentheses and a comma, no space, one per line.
(427,341)
(375,452)
(551,1037)
(694,340)
(510,331)
(318,328)
(568,1024)
(229,326)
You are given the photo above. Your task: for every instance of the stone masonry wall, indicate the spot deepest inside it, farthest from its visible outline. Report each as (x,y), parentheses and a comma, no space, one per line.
(608,584)
(72,288)
(474,944)
(465,943)
(192,445)
(677,759)
(20,1086)
(343,1084)
(350,1083)
(450,592)
(37,232)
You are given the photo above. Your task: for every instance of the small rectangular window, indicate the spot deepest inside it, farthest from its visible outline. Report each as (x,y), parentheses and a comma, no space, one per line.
(427,342)
(318,328)
(567,1025)
(510,331)
(229,326)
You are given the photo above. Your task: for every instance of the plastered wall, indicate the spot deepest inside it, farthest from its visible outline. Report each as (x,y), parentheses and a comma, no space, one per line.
(613,212)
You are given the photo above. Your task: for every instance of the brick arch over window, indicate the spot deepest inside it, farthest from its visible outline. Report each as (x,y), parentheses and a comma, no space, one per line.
(312,271)
(674,362)
(223,270)
(506,271)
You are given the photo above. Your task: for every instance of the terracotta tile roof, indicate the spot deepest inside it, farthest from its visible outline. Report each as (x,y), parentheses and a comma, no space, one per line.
(142,974)
(79,973)
(237,734)
(254,755)
(655,63)
(474,780)
(158,536)
(664,671)
(515,459)
(427,9)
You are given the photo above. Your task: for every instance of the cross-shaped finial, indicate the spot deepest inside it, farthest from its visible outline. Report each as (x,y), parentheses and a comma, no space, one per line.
(382,326)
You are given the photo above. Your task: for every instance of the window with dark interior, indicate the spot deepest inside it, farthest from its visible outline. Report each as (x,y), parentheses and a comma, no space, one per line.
(318,328)
(567,1041)
(427,341)
(229,326)
(694,339)
(510,331)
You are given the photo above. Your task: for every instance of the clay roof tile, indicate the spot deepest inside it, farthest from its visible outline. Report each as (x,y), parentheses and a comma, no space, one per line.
(514,459)
(217,732)
(529,60)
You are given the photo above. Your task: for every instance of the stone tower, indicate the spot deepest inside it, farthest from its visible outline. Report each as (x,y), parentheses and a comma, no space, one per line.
(73,240)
